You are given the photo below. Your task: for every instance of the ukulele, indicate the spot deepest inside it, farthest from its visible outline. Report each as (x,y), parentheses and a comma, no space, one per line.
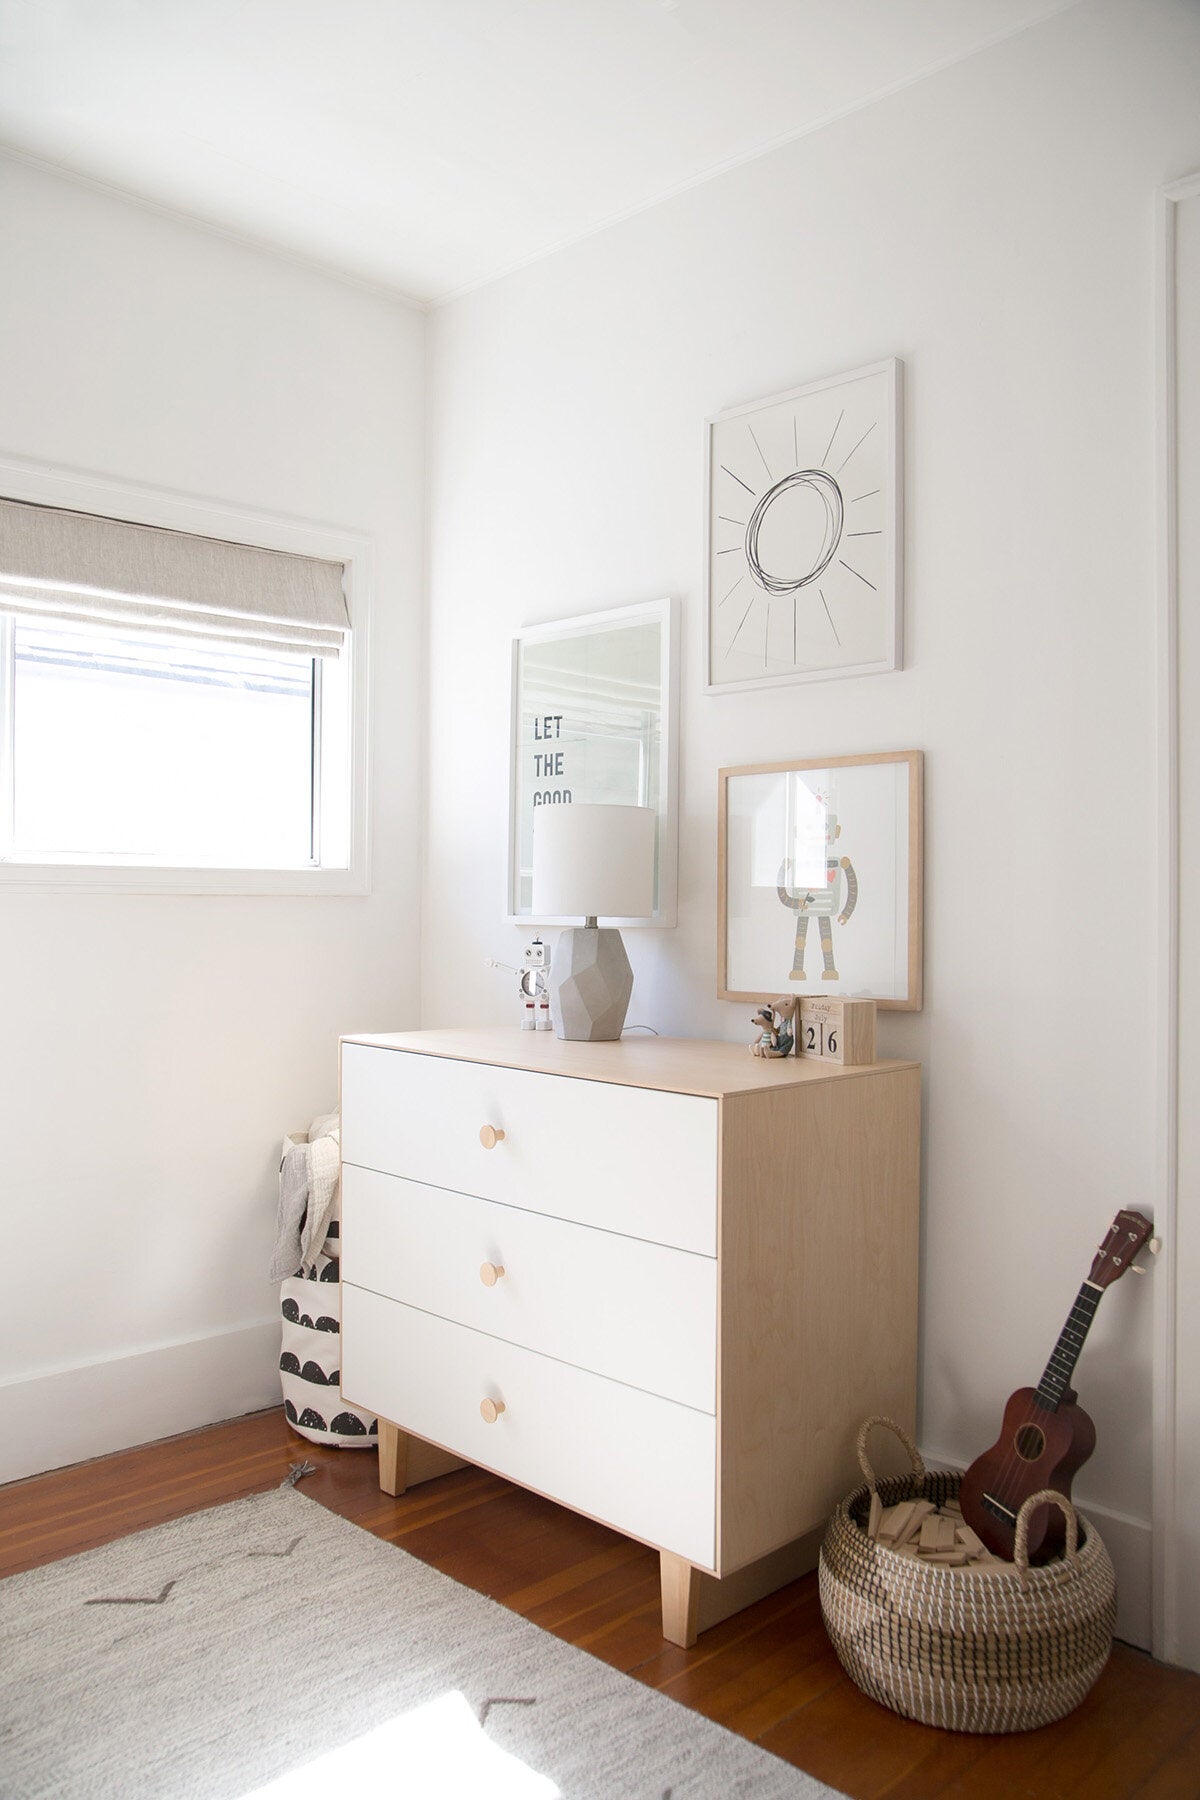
(1046,1436)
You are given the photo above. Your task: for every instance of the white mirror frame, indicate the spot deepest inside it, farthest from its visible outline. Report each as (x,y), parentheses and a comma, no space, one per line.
(666,612)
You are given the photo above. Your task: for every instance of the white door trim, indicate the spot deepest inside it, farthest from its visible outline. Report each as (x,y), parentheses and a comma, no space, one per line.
(1167,1546)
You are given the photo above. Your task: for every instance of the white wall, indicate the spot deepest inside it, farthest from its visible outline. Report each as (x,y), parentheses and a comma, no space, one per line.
(992,226)
(154,1050)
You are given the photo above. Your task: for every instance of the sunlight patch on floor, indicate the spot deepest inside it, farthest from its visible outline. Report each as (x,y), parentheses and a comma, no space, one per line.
(437,1749)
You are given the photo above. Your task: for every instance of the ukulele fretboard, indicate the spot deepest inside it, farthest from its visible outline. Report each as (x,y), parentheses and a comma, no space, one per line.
(1056,1378)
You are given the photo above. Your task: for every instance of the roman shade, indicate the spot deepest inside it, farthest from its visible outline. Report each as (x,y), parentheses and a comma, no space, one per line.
(80,567)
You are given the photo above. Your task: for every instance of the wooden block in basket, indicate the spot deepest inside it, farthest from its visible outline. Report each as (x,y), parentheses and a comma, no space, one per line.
(841,1031)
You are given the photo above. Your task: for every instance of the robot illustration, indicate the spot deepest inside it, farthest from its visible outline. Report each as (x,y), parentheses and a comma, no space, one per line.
(821,903)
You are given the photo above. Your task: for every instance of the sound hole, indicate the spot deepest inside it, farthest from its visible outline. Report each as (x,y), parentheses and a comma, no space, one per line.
(1031,1441)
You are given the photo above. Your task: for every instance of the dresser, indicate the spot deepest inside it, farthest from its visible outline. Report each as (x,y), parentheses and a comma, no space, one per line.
(660,1281)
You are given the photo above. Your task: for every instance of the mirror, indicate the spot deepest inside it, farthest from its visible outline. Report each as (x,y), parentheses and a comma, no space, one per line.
(593,720)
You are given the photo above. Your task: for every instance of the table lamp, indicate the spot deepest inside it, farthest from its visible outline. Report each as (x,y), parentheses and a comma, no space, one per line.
(592,862)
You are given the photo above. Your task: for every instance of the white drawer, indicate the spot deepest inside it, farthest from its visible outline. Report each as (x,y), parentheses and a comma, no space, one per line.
(633,1160)
(637,1312)
(643,1465)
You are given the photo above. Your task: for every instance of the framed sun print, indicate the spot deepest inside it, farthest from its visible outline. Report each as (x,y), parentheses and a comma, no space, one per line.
(803,525)
(819,884)
(594,720)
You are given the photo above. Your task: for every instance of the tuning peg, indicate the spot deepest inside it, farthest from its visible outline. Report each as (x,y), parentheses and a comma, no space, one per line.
(1154,1245)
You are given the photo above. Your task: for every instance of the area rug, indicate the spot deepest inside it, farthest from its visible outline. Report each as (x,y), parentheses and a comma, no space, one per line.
(270,1648)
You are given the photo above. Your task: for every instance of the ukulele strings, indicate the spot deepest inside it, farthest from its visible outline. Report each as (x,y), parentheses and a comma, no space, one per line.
(1009,1478)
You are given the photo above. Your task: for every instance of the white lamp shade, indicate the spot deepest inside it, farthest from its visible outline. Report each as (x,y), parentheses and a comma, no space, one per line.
(593,861)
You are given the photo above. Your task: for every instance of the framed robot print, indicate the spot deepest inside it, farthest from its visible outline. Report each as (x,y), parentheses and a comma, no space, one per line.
(819,886)
(803,553)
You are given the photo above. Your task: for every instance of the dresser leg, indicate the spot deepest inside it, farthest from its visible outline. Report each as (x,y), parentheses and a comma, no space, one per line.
(393,1458)
(680,1599)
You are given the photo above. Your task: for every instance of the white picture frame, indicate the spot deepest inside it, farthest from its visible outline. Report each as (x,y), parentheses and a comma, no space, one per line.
(594,718)
(803,528)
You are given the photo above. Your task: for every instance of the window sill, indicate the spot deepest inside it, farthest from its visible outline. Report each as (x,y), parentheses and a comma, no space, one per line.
(110,878)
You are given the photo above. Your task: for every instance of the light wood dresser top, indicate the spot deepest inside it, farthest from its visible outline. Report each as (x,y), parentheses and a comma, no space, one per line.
(674,1065)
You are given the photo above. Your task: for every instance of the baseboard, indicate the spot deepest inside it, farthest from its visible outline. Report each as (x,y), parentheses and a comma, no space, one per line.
(71,1415)
(1129,1543)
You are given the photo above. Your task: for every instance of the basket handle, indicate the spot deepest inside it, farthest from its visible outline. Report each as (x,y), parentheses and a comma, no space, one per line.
(1044,1497)
(864,1465)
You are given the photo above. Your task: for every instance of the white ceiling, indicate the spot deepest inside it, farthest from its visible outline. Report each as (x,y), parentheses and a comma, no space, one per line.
(430,145)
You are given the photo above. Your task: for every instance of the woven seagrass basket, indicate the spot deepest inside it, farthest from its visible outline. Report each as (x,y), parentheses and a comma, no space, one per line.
(1002,1649)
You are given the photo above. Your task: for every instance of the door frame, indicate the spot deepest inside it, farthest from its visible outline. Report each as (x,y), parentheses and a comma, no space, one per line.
(1167,1572)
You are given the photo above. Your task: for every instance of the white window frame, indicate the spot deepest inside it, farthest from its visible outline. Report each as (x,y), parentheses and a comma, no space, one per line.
(211,518)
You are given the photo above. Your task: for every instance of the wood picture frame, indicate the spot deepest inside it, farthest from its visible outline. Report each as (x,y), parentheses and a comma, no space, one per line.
(836,841)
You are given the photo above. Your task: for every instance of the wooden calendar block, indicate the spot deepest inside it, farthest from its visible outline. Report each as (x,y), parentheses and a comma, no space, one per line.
(841,1031)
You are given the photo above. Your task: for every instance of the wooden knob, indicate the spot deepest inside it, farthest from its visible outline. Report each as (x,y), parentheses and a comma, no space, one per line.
(490,1136)
(490,1410)
(490,1273)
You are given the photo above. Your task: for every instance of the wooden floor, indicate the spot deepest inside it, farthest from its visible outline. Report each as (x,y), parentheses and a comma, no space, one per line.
(768,1673)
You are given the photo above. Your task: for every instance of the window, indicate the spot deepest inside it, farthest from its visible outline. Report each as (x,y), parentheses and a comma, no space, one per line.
(171,702)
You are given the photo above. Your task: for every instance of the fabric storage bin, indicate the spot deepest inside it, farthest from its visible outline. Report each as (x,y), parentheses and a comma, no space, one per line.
(991,1650)
(311,1354)
(310,1298)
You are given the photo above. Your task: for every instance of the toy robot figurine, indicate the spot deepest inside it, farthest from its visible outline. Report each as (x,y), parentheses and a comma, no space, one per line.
(534,987)
(821,903)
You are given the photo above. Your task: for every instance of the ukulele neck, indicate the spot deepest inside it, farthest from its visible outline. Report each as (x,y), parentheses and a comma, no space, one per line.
(1055,1386)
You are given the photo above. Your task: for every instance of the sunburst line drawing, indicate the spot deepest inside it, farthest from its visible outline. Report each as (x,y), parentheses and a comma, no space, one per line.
(766,465)
(829,615)
(862,440)
(740,482)
(799,529)
(733,640)
(854,571)
(818,482)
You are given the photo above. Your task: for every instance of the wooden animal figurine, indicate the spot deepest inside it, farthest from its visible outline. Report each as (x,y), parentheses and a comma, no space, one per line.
(785,1010)
(767,1041)
(777,1028)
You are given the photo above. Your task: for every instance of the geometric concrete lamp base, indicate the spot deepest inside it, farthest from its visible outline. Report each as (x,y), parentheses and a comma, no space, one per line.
(590,984)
